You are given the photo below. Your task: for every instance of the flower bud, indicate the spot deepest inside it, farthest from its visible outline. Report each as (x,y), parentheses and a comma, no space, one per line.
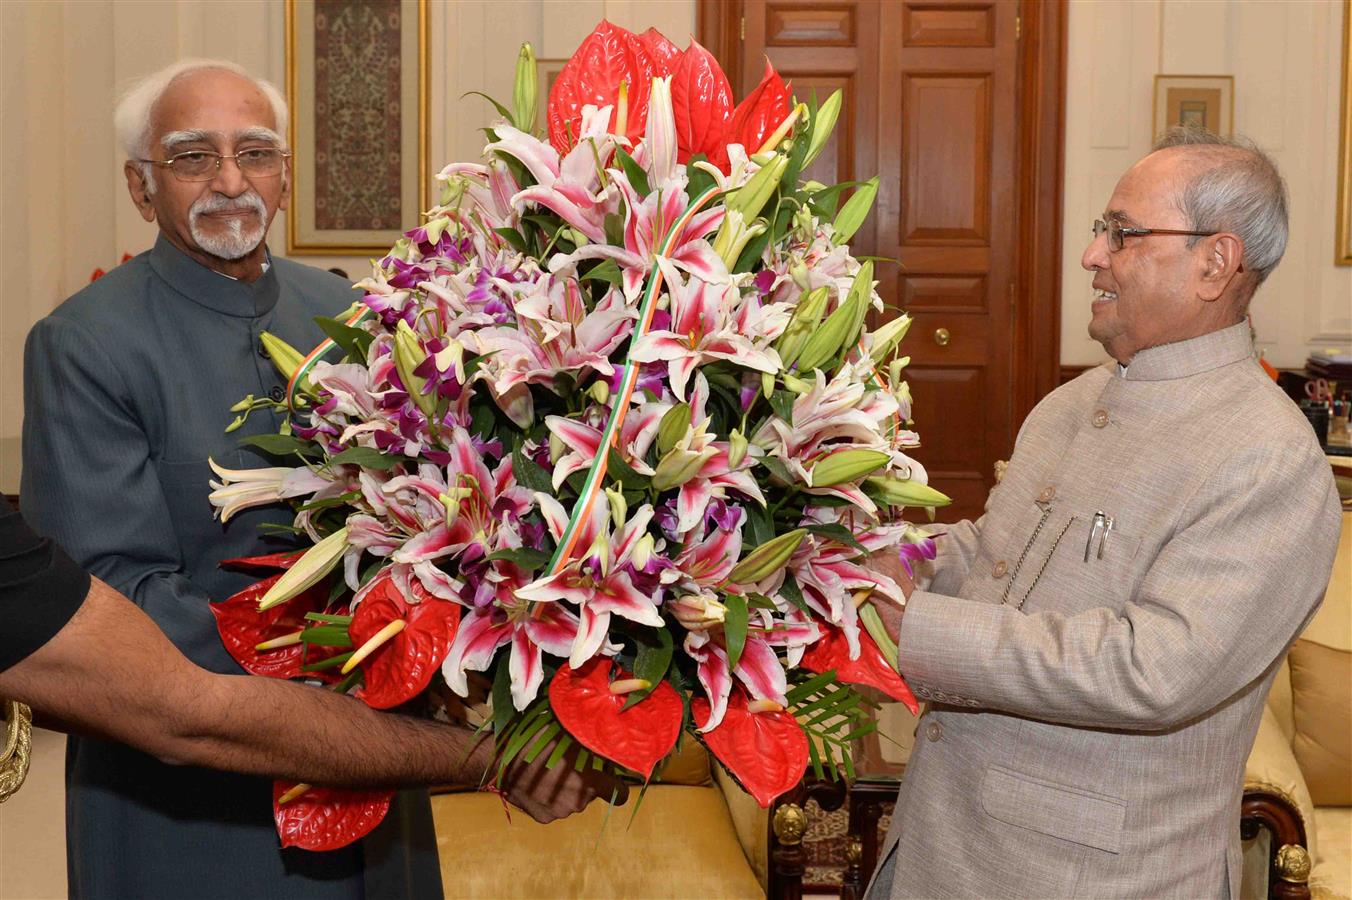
(698,612)
(906,492)
(822,126)
(557,447)
(854,212)
(846,465)
(886,338)
(675,425)
(599,391)
(807,315)
(525,89)
(679,466)
(751,197)
(286,358)
(408,355)
(619,509)
(436,228)
(767,558)
(317,562)
(737,445)
(642,553)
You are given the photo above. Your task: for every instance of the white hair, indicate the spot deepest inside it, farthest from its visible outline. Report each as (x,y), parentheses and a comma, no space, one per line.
(1237,189)
(131,119)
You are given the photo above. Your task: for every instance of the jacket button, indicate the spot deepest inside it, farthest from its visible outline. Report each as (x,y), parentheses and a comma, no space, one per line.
(999,569)
(1048,493)
(1100,418)
(934,732)
(276,394)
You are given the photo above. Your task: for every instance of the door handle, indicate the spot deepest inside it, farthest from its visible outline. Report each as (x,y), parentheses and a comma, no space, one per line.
(942,337)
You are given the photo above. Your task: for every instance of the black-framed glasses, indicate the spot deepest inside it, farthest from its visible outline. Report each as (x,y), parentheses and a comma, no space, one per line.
(202,165)
(1117,232)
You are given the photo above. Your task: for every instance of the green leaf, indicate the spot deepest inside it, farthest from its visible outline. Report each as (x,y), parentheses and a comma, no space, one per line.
(281,444)
(619,470)
(651,663)
(760,601)
(751,253)
(528,558)
(325,664)
(515,238)
(614,229)
(837,532)
(699,180)
(560,749)
(607,270)
(530,474)
(759,523)
(503,711)
(638,179)
(366,457)
(502,110)
(548,734)
(777,469)
(734,628)
(482,421)
(811,686)
(327,636)
(328,618)
(353,341)
(782,403)
(790,591)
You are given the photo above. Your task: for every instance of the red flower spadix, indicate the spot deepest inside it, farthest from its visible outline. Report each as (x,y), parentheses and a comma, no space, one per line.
(402,667)
(871,668)
(323,818)
(636,738)
(765,751)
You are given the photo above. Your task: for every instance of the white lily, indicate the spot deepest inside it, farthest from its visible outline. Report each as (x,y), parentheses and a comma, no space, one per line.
(242,488)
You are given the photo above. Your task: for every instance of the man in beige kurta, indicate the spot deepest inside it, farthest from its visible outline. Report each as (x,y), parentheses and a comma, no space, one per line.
(1096,649)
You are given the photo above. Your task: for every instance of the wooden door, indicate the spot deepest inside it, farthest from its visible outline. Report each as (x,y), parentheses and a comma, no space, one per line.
(933,105)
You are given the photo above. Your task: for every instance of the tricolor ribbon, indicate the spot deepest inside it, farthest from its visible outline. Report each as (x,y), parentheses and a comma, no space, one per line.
(317,354)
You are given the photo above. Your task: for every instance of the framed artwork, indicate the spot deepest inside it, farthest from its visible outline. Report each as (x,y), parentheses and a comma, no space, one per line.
(356,82)
(1342,249)
(1195,101)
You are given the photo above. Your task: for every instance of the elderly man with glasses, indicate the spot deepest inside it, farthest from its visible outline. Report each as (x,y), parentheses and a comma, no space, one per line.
(1097,648)
(127,388)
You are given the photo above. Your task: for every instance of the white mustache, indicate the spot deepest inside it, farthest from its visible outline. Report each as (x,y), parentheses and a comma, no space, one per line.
(214,203)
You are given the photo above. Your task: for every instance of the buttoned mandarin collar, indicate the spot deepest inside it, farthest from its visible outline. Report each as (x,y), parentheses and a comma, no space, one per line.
(1191,357)
(228,296)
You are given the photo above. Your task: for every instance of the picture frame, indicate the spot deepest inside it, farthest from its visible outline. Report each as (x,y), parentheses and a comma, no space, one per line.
(1199,101)
(1342,248)
(359,124)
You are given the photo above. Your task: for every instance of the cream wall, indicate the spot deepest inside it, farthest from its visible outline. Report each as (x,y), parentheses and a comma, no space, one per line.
(1285,59)
(64,210)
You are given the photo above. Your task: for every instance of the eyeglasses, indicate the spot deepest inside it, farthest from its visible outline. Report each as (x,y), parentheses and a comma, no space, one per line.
(202,165)
(1117,232)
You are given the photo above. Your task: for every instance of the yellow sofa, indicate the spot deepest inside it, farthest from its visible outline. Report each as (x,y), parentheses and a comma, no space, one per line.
(694,835)
(1298,781)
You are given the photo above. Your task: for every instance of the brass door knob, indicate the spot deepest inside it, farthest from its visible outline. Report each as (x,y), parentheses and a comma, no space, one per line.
(942,337)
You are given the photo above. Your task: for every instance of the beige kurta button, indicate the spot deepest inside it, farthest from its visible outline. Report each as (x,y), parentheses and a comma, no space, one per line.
(999,569)
(1100,418)
(934,732)
(1048,493)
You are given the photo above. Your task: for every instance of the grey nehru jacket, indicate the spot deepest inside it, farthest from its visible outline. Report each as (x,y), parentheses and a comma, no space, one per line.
(127,391)
(1090,719)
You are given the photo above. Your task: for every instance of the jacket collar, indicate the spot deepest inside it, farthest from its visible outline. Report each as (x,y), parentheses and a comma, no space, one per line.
(1193,356)
(212,289)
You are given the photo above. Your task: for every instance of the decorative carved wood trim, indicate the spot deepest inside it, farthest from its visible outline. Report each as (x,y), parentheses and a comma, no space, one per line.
(1262,809)
(1037,290)
(718,26)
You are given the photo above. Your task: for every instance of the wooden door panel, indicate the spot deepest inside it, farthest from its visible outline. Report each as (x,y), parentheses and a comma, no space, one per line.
(814,25)
(942,292)
(946,159)
(948,25)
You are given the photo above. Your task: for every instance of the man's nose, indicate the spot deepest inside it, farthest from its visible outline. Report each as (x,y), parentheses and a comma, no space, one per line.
(1096,254)
(229,180)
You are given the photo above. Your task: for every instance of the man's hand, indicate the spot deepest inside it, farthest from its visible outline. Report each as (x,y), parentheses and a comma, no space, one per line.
(549,794)
(888,563)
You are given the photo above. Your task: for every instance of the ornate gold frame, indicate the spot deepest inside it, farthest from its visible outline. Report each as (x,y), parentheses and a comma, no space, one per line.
(293,246)
(1226,84)
(1342,248)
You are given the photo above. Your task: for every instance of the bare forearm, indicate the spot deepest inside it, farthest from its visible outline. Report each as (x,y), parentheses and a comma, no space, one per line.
(111,672)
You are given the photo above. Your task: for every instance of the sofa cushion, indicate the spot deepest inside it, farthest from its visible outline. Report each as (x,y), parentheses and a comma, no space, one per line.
(1331,877)
(1321,688)
(689,765)
(681,843)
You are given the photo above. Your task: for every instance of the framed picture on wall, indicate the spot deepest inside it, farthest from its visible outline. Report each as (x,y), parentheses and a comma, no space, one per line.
(1195,101)
(356,78)
(1342,249)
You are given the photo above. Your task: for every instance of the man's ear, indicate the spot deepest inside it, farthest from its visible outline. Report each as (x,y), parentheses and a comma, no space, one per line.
(285,200)
(1224,255)
(139,190)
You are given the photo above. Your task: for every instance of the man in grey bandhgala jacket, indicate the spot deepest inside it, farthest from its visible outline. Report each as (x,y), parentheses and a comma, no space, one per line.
(1097,648)
(128,386)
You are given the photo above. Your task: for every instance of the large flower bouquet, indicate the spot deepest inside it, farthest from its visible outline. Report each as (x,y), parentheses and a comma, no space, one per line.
(611,428)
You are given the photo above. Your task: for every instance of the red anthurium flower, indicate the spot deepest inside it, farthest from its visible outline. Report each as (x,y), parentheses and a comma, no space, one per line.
(765,751)
(663,52)
(636,738)
(242,628)
(763,111)
(402,666)
(871,668)
(608,57)
(322,818)
(701,99)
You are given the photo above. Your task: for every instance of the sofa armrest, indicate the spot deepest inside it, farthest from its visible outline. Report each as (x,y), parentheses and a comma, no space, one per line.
(1276,798)
(751,823)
